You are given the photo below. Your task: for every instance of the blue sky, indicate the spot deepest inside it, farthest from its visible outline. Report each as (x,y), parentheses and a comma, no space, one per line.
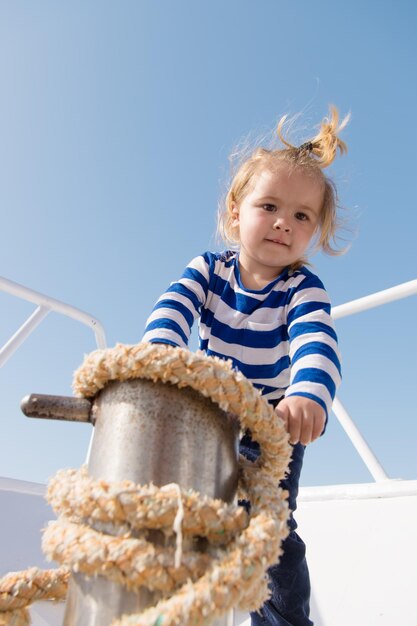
(116,123)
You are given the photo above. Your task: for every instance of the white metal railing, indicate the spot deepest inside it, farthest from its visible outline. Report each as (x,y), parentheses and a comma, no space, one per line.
(350,308)
(45,306)
(376,299)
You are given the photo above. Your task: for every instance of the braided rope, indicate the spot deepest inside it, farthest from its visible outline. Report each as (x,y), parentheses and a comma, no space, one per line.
(19,589)
(193,585)
(74,494)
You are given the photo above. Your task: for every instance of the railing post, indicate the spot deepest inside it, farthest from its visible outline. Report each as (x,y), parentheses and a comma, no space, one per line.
(22,334)
(357,439)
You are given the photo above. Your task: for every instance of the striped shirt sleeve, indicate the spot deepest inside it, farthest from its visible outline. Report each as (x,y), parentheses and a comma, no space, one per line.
(174,313)
(314,353)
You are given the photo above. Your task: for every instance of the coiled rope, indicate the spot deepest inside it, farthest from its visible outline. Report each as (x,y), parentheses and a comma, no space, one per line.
(193,585)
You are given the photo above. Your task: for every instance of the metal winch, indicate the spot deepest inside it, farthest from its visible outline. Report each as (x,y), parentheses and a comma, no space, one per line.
(145,432)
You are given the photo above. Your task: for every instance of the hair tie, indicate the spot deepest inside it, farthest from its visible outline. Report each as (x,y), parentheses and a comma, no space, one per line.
(307,147)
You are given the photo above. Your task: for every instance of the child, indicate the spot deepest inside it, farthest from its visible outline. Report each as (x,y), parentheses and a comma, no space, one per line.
(259,306)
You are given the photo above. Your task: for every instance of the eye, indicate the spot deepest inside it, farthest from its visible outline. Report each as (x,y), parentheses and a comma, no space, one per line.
(302,217)
(269,207)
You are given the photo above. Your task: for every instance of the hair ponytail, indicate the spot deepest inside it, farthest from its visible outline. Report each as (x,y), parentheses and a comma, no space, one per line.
(324,146)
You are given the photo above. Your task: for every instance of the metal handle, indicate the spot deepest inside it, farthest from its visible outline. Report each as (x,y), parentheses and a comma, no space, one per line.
(57,408)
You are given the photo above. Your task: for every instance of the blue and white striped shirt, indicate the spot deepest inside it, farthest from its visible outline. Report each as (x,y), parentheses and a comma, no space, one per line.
(281,337)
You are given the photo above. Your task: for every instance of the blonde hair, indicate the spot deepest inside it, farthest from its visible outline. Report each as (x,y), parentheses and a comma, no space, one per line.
(312,157)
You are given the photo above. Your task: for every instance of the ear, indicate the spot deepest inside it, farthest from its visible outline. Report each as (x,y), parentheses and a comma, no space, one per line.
(235,213)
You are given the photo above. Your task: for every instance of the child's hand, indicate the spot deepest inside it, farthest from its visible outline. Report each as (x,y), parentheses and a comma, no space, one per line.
(304,418)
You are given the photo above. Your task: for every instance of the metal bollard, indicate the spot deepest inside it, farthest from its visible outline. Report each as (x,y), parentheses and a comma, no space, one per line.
(153,432)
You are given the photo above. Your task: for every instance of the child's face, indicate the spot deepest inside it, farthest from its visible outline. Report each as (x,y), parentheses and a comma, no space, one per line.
(276,220)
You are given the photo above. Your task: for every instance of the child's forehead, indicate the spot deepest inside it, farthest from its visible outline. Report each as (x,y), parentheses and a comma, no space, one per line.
(284,176)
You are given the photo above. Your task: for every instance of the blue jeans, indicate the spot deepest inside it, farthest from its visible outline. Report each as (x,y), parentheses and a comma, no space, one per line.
(289,604)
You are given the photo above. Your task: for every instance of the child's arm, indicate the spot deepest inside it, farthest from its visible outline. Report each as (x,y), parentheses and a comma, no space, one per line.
(315,362)
(174,313)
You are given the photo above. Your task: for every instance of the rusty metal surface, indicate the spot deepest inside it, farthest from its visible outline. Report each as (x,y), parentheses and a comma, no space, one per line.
(57,407)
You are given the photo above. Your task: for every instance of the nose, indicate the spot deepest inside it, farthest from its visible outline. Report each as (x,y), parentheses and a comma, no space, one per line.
(281,223)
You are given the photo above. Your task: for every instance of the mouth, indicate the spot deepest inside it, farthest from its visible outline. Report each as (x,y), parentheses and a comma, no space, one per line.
(278,242)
